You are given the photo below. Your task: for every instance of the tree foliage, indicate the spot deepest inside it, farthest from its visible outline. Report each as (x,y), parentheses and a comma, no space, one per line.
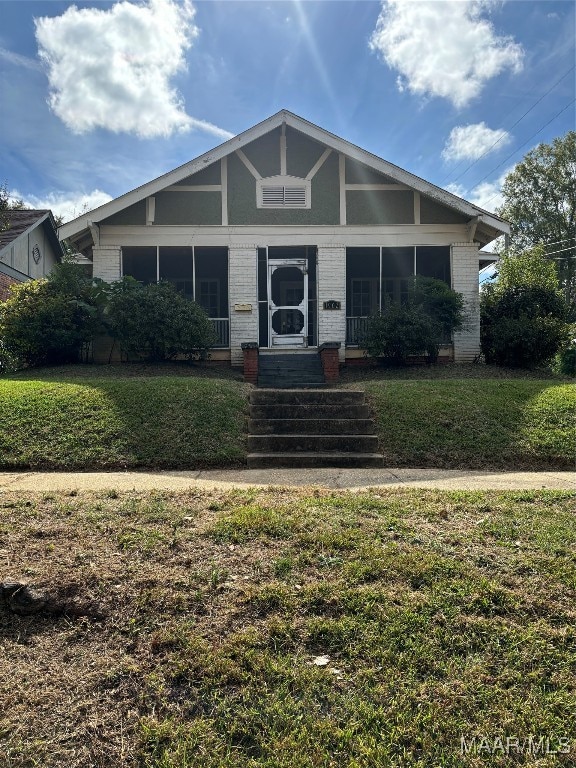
(429,316)
(540,204)
(8,203)
(523,314)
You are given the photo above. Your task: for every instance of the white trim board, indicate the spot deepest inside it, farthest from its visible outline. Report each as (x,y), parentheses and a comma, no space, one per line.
(320,135)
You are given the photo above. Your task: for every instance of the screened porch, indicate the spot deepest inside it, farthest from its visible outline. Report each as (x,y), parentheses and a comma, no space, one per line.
(198,272)
(377,277)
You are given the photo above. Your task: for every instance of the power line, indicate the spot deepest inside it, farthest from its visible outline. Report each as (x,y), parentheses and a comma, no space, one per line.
(563,250)
(509,129)
(520,147)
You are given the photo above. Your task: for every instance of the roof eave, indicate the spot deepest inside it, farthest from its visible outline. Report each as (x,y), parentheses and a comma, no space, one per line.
(74,227)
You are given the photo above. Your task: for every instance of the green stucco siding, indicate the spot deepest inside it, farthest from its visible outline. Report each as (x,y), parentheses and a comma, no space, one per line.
(301,153)
(358,173)
(242,198)
(208,175)
(432,212)
(134,214)
(379,207)
(188,208)
(264,153)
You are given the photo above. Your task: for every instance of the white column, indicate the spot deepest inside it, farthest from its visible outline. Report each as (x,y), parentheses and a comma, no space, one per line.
(332,287)
(106,260)
(465,280)
(242,270)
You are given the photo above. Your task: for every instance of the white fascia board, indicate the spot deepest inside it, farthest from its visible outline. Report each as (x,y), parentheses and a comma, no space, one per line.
(399,174)
(320,135)
(80,224)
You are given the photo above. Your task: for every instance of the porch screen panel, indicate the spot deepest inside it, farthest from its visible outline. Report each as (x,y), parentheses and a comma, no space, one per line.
(176,266)
(362,281)
(397,271)
(139,262)
(263,340)
(312,296)
(211,280)
(433,261)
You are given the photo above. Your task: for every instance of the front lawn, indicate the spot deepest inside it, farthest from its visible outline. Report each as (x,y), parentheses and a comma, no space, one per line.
(85,417)
(290,629)
(474,423)
(182,417)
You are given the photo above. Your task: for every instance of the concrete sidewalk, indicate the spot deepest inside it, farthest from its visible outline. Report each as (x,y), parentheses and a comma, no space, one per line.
(351,479)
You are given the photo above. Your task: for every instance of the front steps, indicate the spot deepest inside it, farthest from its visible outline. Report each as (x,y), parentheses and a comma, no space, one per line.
(290,370)
(310,428)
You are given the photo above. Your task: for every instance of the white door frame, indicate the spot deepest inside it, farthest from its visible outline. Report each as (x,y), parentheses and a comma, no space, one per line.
(293,339)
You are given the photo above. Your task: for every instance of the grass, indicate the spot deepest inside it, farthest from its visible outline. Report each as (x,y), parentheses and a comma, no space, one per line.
(94,418)
(435,420)
(182,417)
(290,629)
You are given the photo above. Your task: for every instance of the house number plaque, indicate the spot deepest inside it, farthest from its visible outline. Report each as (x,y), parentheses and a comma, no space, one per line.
(332,304)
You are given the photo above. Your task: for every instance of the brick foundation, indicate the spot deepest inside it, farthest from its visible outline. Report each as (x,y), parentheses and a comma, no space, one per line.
(250,354)
(329,355)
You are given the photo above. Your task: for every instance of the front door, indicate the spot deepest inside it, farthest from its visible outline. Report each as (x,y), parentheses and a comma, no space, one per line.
(288,302)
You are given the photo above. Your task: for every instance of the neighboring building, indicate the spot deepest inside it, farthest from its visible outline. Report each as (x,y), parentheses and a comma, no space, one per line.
(290,237)
(29,247)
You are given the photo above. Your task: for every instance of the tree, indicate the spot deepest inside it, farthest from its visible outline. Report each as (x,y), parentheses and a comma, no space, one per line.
(8,203)
(540,204)
(523,314)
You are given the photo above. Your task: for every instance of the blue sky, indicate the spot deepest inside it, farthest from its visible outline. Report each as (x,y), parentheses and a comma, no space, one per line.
(98,98)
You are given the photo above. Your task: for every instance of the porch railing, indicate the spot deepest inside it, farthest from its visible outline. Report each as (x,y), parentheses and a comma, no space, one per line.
(355,330)
(221,327)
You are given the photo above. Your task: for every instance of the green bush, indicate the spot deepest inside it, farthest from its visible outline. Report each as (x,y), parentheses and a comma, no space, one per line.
(523,315)
(565,362)
(429,316)
(39,325)
(155,322)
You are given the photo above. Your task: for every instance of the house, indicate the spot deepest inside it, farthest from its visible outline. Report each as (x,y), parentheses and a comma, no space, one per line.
(290,237)
(29,247)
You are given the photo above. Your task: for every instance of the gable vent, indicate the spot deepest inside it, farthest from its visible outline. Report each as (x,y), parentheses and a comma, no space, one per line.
(287,195)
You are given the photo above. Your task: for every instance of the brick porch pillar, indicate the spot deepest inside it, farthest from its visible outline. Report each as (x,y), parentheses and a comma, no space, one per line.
(250,355)
(330,363)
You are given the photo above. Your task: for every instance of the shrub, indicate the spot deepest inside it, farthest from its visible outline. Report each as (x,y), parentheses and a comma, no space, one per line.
(565,362)
(523,315)
(401,331)
(155,322)
(50,321)
(40,326)
(430,315)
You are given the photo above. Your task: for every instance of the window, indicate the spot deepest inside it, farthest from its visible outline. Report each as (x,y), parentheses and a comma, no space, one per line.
(208,296)
(362,292)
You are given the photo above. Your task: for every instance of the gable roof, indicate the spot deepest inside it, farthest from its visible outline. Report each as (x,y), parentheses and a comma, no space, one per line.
(491,225)
(22,221)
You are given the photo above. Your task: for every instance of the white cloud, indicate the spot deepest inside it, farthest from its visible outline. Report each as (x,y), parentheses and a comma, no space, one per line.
(445,48)
(65,204)
(112,68)
(469,142)
(486,195)
(18,60)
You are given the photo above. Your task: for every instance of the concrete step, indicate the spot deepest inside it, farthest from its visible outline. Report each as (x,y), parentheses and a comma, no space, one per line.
(314,459)
(290,443)
(309,411)
(335,397)
(312,425)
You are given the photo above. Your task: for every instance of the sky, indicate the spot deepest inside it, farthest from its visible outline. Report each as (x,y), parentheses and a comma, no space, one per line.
(97,98)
